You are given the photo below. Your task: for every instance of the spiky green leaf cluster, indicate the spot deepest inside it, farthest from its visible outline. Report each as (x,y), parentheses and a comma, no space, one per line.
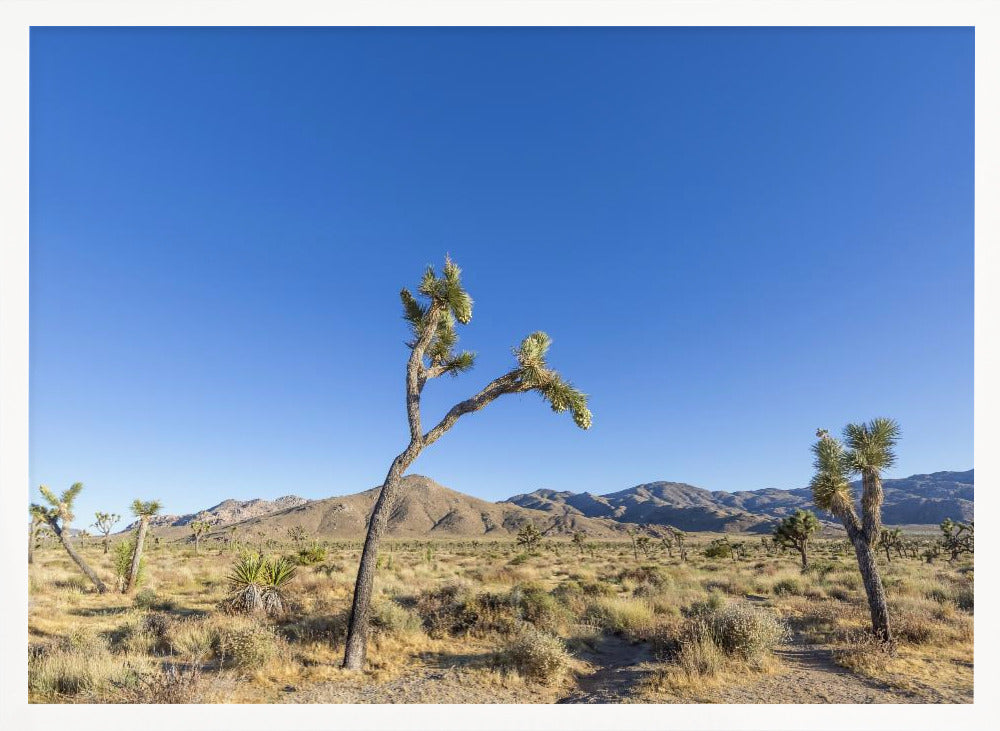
(870,446)
(830,487)
(145,509)
(256,583)
(453,305)
(796,528)
(62,506)
(534,374)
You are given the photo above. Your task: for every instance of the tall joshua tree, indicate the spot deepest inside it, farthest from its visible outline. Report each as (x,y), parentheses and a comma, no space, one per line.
(795,531)
(58,517)
(866,450)
(441,303)
(105,523)
(143,511)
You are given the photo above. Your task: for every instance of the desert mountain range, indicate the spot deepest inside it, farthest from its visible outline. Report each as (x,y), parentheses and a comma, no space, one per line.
(427,509)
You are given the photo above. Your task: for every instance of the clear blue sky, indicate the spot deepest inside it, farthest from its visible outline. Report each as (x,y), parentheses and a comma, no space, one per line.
(733,236)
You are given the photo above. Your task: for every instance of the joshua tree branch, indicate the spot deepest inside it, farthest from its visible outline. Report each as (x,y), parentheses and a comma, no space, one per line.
(507,383)
(416,373)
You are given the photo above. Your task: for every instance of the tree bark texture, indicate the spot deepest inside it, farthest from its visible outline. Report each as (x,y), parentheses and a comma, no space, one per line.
(140,539)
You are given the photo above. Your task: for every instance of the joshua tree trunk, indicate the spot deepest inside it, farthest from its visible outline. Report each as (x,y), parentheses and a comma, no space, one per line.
(805,559)
(133,574)
(32,537)
(357,632)
(106,542)
(77,559)
(877,603)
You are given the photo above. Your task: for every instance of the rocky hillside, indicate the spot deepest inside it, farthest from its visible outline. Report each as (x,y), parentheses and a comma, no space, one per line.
(914,500)
(425,510)
(227,512)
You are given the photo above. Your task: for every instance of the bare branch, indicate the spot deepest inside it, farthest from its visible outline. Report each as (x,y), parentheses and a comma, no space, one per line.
(507,383)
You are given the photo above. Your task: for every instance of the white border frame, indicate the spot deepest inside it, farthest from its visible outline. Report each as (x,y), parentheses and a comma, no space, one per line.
(17,16)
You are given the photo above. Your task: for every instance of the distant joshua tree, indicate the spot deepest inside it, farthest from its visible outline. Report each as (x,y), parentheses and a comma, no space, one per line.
(957,538)
(633,535)
(58,518)
(867,450)
(579,540)
(198,529)
(432,323)
(642,543)
(795,531)
(890,540)
(105,523)
(676,537)
(298,534)
(143,511)
(528,537)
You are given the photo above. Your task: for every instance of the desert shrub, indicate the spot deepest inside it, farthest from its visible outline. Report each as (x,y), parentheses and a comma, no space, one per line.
(710,605)
(864,653)
(259,585)
(913,628)
(193,639)
(938,595)
(747,632)
(787,586)
(719,548)
(445,610)
(122,560)
(389,618)
(651,575)
(309,556)
(148,599)
(81,668)
(172,684)
(536,605)
(619,615)
(246,644)
(698,656)
(142,634)
(965,598)
(820,569)
(518,559)
(598,588)
(536,655)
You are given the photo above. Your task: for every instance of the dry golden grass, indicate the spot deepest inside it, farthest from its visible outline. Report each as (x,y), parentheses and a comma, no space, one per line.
(495,623)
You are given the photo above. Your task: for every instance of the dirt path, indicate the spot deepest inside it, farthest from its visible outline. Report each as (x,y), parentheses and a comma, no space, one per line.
(811,676)
(620,665)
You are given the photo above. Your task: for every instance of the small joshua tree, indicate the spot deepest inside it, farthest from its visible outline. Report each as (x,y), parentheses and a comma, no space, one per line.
(143,511)
(867,450)
(642,543)
(105,523)
(795,531)
(298,534)
(432,354)
(58,517)
(198,529)
(677,537)
(890,540)
(633,534)
(528,537)
(579,540)
(957,538)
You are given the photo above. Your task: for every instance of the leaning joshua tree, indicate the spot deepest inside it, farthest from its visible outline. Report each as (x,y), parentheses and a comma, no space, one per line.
(57,518)
(867,450)
(143,511)
(795,531)
(432,322)
(105,523)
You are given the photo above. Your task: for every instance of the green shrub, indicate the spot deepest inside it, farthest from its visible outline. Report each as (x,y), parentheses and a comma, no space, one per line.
(787,586)
(389,618)
(122,558)
(315,554)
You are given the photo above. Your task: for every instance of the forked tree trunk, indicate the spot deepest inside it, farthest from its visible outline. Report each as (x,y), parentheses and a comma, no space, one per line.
(877,604)
(140,539)
(357,630)
(78,560)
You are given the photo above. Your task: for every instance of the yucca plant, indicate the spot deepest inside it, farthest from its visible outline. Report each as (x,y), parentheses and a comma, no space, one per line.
(257,584)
